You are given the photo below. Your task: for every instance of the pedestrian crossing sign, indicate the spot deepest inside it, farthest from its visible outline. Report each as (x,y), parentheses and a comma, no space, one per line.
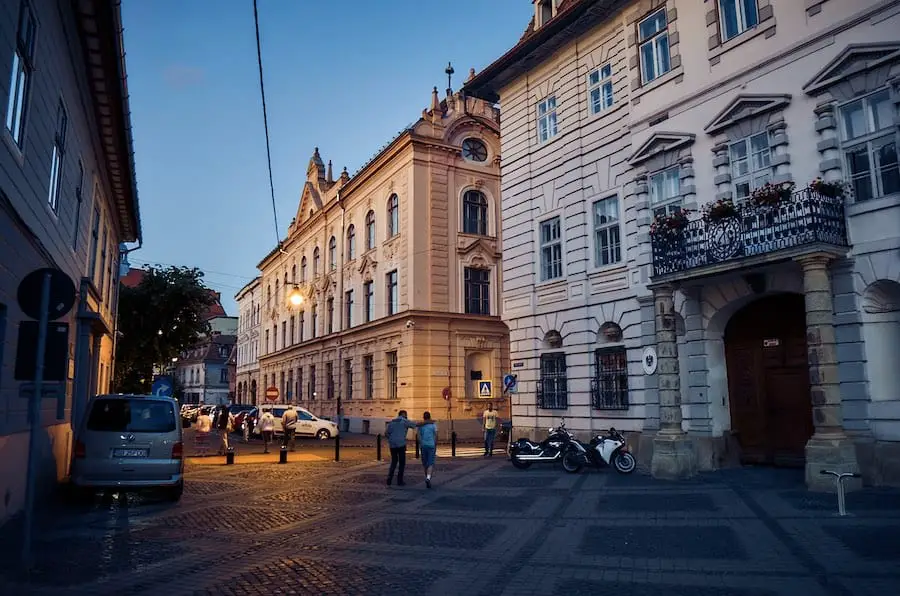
(485,389)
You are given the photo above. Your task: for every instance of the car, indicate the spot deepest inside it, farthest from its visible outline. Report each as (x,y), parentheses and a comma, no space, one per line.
(129,442)
(308,424)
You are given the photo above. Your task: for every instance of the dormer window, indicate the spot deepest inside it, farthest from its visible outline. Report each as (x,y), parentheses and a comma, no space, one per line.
(546,10)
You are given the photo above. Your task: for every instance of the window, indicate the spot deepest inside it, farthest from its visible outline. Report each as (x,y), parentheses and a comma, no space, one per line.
(391,358)
(393,214)
(20,76)
(653,37)
(600,89)
(329,315)
(293,331)
(369,295)
(79,199)
(369,370)
(103,245)
(370,230)
(551,249)
(736,16)
(546,11)
(348,308)
(137,415)
(315,321)
(267,342)
(609,390)
(284,338)
(869,141)
(351,242)
(269,295)
(56,156)
(546,119)
(223,375)
(751,165)
(553,387)
(95,236)
(332,253)
(299,383)
(316,260)
(348,378)
(477,288)
(475,213)
(274,338)
(393,293)
(665,191)
(312,382)
(474,150)
(329,380)
(301,323)
(607,235)
(293,274)
(289,387)
(303,270)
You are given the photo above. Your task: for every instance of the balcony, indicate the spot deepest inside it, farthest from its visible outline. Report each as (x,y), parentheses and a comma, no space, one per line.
(752,235)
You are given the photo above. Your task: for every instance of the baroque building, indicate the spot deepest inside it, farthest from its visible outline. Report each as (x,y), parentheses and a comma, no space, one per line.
(385,293)
(247,357)
(671,266)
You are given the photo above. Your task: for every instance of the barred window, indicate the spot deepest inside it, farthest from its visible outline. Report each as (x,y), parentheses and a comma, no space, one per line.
(552,388)
(609,388)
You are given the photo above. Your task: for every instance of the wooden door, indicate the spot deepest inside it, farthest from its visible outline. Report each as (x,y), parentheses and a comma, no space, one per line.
(768,380)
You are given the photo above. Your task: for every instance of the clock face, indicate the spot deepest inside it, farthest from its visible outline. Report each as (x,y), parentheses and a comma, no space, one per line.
(474,149)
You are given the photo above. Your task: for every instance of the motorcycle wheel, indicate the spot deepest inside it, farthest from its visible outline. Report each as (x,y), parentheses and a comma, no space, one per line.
(518,463)
(624,462)
(571,462)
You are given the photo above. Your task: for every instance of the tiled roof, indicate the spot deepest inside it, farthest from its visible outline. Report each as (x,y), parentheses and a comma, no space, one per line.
(135,276)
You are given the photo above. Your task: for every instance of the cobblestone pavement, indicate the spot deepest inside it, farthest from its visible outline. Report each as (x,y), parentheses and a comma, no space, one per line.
(485,529)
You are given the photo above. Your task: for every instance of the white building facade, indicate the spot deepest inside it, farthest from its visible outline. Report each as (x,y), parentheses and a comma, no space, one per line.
(653,281)
(248,302)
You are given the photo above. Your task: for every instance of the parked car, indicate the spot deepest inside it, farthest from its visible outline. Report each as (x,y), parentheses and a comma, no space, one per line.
(130,442)
(307,424)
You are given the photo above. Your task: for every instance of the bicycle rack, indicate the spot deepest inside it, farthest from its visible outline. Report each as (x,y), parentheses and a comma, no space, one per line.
(839,478)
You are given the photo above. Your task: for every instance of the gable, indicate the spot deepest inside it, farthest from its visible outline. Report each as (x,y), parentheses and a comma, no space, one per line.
(309,200)
(478,245)
(854,59)
(660,142)
(743,107)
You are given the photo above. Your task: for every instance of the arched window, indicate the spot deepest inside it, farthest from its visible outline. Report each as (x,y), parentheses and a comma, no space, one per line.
(303,269)
(269,295)
(351,242)
(285,289)
(475,213)
(277,295)
(316,262)
(370,230)
(393,216)
(294,273)
(332,253)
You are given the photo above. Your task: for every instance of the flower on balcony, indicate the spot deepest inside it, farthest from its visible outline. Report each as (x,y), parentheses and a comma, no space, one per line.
(718,210)
(669,224)
(771,195)
(833,190)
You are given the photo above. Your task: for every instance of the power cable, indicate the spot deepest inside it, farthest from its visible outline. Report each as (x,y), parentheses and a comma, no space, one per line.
(262,91)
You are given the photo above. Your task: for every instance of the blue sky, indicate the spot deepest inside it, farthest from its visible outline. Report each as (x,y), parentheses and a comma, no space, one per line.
(343,75)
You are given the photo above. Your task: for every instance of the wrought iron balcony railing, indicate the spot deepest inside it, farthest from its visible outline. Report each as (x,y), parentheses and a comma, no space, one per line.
(806,218)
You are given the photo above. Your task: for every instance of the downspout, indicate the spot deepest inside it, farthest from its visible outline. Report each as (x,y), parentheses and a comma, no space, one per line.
(123,258)
(342,308)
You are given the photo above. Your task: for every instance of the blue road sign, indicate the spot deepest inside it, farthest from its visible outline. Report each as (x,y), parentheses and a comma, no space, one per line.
(485,389)
(510,383)
(162,386)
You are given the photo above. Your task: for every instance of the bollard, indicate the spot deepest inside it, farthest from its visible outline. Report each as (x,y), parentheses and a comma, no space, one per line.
(378,447)
(229,456)
(337,447)
(453,444)
(417,445)
(839,483)
(282,454)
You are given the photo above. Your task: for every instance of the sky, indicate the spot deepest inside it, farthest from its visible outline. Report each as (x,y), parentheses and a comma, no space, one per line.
(341,75)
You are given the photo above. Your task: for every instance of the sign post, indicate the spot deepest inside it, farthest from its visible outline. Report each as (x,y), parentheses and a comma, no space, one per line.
(485,389)
(446,393)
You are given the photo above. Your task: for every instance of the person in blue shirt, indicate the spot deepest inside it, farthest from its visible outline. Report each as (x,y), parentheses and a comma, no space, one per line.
(428,445)
(396,436)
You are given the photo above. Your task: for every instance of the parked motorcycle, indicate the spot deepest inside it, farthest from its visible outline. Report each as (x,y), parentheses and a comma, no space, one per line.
(523,452)
(610,450)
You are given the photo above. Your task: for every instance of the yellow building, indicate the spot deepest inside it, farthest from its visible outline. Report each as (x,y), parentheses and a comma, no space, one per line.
(385,293)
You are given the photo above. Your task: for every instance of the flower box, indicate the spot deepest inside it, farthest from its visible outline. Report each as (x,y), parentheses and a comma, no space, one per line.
(772,195)
(833,190)
(719,210)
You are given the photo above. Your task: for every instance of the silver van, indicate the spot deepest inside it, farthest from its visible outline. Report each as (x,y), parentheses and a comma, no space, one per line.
(130,442)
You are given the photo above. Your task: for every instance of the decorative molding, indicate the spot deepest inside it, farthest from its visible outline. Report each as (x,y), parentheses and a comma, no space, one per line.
(855,58)
(660,142)
(745,106)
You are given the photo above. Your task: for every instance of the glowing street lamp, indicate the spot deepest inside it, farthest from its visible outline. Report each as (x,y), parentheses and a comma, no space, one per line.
(296,297)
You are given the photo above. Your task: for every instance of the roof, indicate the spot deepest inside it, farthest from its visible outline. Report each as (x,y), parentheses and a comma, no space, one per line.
(100,29)
(134,277)
(207,351)
(573,18)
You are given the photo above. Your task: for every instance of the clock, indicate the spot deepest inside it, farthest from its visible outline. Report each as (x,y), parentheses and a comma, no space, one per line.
(474,150)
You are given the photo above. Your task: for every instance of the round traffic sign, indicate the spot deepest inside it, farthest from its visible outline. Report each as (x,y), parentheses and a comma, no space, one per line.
(272,394)
(62,293)
(446,393)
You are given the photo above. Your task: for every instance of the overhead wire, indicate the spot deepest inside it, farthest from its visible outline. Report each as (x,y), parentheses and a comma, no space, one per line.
(262,92)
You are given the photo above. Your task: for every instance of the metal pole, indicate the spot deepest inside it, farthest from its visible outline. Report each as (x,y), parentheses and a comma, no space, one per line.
(34,419)
(453,444)
(337,446)
(378,447)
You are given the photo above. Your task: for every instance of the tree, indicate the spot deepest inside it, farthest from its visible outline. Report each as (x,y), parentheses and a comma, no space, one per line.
(158,319)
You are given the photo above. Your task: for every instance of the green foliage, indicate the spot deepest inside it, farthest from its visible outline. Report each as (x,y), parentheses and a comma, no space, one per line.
(158,318)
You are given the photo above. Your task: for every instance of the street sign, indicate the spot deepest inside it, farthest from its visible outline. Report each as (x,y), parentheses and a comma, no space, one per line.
(162,386)
(510,383)
(272,394)
(62,294)
(445,393)
(485,389)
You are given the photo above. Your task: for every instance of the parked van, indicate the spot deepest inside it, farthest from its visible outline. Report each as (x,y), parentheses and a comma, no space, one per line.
(308,424)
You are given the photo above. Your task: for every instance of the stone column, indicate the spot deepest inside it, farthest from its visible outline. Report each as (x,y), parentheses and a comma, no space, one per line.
(829,448)
(673,455)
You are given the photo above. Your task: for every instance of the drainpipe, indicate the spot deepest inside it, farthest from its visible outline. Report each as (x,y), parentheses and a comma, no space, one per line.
(123,258)
(342,307)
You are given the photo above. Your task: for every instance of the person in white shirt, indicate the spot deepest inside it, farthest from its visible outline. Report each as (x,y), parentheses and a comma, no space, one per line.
(267,428)
(489,421)
(201,438)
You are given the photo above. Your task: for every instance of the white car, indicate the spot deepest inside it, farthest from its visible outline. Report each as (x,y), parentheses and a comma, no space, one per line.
(308,425)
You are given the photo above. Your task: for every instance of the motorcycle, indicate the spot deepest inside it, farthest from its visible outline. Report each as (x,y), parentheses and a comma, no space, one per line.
(611,449)
(523,452)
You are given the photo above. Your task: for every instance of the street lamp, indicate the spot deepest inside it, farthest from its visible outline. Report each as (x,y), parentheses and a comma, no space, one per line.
(296,296)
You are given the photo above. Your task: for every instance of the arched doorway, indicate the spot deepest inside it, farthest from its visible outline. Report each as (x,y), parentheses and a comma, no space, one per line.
(768,380)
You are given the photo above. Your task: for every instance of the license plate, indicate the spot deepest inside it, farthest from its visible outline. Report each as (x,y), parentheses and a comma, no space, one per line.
(129,453)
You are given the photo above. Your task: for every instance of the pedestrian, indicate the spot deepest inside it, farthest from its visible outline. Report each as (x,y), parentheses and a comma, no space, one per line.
(226,426)
(489,421)
(428,445)
(201,438)
(289,426)
(267,427)
(396,434)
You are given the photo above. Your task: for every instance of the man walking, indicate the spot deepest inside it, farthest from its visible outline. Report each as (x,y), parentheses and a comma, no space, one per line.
(289,426)
(489,420)
(396,434)
(428,445)
(267,428)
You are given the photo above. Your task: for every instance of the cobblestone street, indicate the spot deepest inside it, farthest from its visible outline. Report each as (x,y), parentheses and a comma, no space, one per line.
(484,529)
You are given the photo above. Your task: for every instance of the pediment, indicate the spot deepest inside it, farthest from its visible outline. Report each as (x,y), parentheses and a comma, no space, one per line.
(743,107)
(309,200)
(854,59)
(660,142)
(485,246)
(367,266)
